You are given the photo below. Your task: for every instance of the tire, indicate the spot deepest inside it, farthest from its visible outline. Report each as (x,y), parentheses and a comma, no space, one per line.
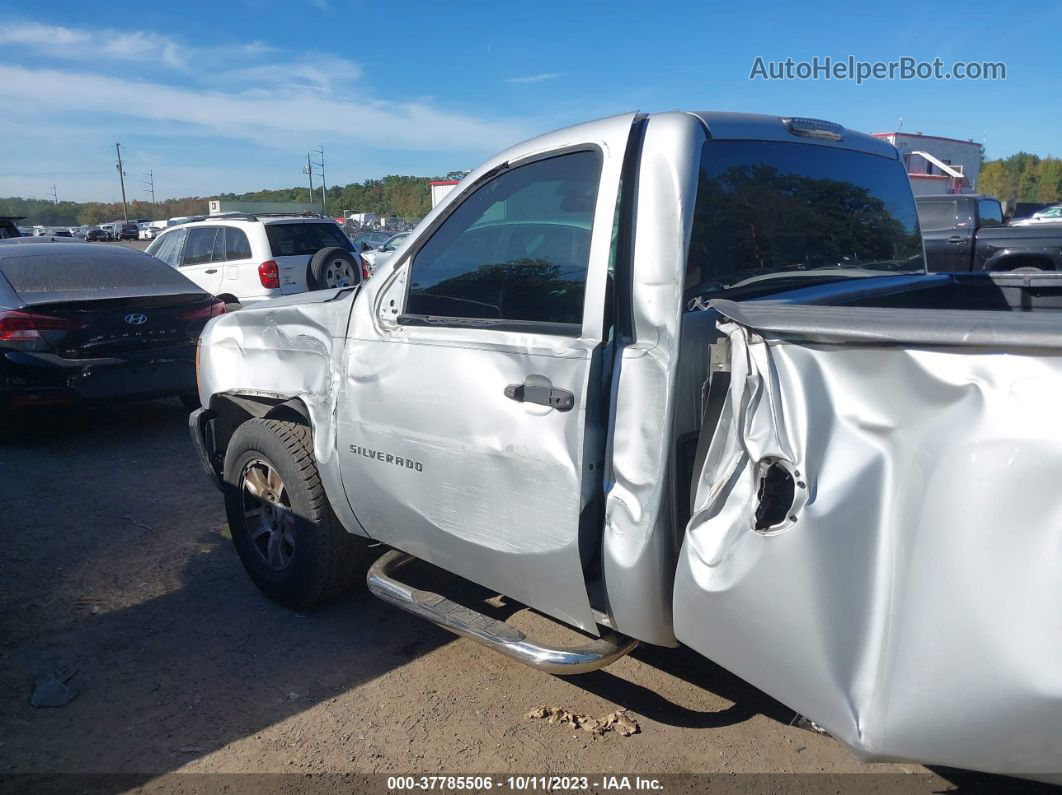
(334,267)
(294,550)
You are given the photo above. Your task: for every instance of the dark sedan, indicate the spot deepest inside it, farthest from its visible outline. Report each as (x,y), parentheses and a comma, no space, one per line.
(84,324)
(97,234)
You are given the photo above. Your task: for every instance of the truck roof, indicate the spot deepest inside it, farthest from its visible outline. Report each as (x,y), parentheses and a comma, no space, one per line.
(759,127)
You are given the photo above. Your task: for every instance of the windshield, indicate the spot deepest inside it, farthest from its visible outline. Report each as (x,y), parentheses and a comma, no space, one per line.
(768,210)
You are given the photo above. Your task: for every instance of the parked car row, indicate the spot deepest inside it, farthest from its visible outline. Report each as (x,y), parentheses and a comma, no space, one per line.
(1048,215)
(245,258)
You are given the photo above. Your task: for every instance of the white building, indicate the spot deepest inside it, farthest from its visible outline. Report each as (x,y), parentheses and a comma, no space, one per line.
(439,189)
(937,165)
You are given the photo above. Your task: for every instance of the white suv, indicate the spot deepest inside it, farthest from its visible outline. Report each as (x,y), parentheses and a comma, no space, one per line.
(247,258)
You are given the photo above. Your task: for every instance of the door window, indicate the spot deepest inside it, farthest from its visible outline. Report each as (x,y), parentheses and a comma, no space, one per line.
(168,247)
(516,249)
(200,246)
(236,244)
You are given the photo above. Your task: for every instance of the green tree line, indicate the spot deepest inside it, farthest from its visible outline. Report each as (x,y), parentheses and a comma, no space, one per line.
(1022,177)
(404,196)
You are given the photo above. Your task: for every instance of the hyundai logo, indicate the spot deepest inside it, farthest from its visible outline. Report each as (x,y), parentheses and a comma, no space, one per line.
(136,319)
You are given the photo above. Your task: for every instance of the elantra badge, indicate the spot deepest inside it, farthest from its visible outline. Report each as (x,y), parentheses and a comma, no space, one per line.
(135,319)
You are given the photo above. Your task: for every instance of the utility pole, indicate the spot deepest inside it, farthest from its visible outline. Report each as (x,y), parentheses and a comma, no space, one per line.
(55,196)
(309,172)
(121,178)
(149,185)
(324,188)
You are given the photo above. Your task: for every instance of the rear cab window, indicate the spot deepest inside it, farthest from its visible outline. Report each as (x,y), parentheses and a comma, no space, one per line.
(767,211)
(989,212)
(302,237)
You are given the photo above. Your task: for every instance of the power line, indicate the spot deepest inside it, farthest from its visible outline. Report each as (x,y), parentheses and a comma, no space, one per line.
(324,189)
(55,195)
(149,185)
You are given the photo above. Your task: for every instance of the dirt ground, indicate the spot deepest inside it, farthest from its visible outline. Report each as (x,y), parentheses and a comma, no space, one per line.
(116,561)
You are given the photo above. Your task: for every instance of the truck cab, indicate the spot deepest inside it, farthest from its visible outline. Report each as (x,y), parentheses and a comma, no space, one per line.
(632,374)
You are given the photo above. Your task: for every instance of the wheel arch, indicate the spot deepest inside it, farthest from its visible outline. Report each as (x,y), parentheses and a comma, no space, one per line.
(231,410)
(1010,262)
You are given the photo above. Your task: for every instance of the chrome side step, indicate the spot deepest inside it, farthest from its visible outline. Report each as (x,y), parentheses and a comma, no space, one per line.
(498,635)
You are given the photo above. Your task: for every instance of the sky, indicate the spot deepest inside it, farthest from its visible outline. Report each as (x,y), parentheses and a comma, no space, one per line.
(230,95)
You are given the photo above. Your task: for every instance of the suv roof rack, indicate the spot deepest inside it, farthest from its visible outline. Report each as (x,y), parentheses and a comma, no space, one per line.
(236,215)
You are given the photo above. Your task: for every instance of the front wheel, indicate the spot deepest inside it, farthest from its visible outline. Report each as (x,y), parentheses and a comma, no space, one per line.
(284,531)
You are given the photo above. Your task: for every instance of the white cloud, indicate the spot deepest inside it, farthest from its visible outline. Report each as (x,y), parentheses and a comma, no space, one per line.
(73,44)
(536,78)
(278,117)
(323,73)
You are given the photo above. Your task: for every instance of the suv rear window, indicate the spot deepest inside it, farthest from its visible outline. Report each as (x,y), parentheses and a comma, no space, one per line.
(286,240)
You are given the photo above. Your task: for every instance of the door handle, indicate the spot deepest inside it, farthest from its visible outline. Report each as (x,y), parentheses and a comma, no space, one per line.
(953,239)
(560,399)
(212,270)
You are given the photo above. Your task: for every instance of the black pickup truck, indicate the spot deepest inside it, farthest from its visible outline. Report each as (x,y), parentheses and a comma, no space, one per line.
(965,232)
(7,226)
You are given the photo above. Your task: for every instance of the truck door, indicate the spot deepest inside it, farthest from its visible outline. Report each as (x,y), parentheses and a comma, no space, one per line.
(948,234)
(463,427)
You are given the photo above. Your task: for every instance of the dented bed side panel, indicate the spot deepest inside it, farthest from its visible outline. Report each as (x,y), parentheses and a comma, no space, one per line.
(908,599)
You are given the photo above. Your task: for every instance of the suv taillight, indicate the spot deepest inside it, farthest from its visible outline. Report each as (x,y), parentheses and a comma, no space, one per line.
(23,329)
(366,271)
(269,274)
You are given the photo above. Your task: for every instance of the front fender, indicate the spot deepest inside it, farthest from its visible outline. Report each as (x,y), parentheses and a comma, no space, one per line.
(281,351)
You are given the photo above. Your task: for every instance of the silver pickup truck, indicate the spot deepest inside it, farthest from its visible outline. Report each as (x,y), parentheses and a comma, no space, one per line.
(681,378)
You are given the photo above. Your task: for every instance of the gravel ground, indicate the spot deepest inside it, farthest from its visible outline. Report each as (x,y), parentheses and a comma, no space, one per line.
(117,561)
